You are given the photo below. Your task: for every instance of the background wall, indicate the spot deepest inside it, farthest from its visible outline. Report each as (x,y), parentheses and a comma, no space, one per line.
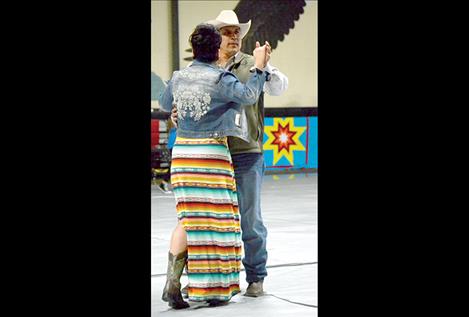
(295,56)
(161,60)
(192,13)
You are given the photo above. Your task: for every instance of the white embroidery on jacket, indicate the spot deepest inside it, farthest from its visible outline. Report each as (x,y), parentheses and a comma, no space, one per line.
(191,101)
(191,74)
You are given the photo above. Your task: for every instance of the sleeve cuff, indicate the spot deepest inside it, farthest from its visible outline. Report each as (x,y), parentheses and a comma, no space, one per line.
(268,68)
(261,71)
(255,69)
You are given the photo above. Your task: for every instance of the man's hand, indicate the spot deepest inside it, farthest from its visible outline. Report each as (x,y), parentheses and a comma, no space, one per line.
(174,116)
(268,51)
(259,54)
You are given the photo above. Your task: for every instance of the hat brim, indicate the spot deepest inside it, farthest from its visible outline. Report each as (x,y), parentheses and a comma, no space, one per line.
(243,27)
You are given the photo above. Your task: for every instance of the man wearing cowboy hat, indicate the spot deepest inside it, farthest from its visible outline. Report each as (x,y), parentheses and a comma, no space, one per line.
(247,157)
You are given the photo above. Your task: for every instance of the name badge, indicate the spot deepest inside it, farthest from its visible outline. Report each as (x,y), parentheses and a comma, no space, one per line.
(237,119)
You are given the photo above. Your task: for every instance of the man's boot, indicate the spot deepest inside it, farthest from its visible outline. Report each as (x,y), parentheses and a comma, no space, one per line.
(172,289)
(255,289)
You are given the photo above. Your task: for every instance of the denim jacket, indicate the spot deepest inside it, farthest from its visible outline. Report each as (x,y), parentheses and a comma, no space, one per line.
(209,99)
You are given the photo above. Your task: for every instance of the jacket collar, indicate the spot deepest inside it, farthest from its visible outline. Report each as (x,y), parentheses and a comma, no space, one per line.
(196,62)
(238,58)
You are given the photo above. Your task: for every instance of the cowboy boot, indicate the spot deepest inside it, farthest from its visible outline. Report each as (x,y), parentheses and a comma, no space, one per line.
(255,289)
(172,288)
(185,289)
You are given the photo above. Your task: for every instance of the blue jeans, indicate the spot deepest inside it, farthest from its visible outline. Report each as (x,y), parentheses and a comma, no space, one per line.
(249,171)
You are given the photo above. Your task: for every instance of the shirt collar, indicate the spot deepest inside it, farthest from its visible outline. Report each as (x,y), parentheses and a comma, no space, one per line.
(234,60)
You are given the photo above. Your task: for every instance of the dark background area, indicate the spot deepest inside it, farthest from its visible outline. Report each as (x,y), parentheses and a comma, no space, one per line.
(76,156)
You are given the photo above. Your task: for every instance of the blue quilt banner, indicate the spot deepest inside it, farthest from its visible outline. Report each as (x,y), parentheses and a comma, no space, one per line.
(291,142)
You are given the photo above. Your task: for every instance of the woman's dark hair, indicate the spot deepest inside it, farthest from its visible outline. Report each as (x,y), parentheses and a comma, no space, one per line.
(205,42)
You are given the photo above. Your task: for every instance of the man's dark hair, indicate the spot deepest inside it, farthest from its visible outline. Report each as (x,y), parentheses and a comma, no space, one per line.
(205,42)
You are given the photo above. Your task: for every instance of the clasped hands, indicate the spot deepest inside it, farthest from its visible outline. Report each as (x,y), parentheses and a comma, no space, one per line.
(261,54)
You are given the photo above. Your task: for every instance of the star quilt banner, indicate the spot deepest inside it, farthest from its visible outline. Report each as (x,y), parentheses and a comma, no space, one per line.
(291,142)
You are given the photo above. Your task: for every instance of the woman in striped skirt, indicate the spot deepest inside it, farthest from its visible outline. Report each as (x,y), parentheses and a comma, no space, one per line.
(207,236)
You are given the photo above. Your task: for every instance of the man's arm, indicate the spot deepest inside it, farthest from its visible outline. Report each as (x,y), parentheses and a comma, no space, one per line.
(278,82)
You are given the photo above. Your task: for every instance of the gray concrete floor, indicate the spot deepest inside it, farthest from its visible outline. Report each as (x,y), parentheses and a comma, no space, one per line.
(289,209)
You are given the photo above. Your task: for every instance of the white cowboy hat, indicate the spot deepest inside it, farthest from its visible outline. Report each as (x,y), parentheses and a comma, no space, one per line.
(229,18)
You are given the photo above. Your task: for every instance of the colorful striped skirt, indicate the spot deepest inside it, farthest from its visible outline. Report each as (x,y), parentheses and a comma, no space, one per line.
(204,186)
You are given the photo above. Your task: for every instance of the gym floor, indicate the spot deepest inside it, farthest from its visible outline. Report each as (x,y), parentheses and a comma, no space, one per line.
(289,210)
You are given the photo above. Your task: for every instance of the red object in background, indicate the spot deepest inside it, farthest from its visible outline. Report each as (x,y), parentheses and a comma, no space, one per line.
(155,133)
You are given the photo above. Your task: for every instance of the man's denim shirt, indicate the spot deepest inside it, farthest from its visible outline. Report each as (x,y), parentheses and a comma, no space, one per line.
(209,99)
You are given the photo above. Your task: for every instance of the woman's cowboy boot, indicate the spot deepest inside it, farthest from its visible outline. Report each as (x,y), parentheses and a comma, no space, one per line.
(172,289)
(185,289)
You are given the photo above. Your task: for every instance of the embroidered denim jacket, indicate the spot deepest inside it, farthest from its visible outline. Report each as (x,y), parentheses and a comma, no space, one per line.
(209,99)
